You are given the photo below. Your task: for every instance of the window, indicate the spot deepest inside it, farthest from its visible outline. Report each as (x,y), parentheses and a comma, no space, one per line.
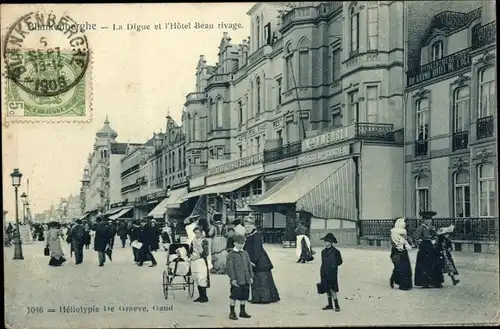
(278,134)
(247,108)
(461,194)
(257,144)
(354,27)
(372,25)
(196,127)
(173,161)
(422,195)
(257,82)
(240,151)
(304,67)
(251,147)
(336,118)
(289,68)
(486,188)
(212,154)
(252,95)
(219,114)
(486,92)
(353,110)
(372,104)
(336,65)
(289,131)
(211,114)
(197,160)
(240,113)
(461,109)
(257,187)
(278,88)
(257,37)
(220,153)
(437,51)
(423,119)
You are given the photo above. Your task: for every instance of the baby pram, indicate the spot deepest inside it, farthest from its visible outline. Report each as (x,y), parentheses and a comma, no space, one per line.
(178,276)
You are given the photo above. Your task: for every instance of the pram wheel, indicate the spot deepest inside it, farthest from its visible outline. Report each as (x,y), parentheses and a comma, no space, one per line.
(166,282)
(190,286)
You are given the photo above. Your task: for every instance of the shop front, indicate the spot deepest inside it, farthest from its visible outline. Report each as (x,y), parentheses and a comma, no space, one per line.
(171,207)
(146,203)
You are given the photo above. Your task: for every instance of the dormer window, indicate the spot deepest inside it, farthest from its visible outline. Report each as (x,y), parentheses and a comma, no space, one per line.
(437,51)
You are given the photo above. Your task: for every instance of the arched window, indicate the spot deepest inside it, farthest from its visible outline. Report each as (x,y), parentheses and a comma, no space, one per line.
(250,99)
(210,117)
(189,128)
(461,194)
(372,25)
(486,92)
(219,112)
(196,127)
(437,51)
(304,63)
(257,37)
(258,95)
(422,119)
(354,29)
(289,68)
(461,109)
(422,194)
(486,190)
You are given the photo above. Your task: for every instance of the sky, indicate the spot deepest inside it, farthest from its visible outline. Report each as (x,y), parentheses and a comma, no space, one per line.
(137,77)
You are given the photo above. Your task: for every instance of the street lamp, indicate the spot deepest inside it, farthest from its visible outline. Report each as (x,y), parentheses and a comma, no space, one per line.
(16,182)
(24,200)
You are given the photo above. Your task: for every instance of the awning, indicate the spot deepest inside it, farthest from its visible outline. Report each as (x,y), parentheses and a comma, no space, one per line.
(176,197)
(84,215)
(221,188)
(113,211)
(326,191)
(159,210)
(119,214)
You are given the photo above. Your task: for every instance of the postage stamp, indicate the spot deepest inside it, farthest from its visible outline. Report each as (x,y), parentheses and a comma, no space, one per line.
(47,77)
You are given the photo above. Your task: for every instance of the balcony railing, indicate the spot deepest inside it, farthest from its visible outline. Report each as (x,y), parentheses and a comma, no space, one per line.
(256,55)
(377,131)
(460,140)
(484,127)
(129,170)
(278,45)
(245,162)
(466,229)
(195,97)
(218,78)
(421,148)
(283,152)
(443,66)
(484,35)
(308,13)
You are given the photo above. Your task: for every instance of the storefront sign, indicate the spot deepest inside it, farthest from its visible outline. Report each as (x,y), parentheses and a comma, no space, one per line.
(151,196)
(328,138)
(325,155)
(252,132)
(119,204)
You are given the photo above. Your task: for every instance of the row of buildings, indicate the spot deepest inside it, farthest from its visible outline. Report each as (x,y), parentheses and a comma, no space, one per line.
(326,108)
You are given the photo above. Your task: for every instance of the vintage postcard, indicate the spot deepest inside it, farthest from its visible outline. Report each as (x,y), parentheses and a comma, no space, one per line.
(270,164)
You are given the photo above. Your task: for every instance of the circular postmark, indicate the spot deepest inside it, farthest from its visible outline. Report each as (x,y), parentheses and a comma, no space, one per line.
(46,55)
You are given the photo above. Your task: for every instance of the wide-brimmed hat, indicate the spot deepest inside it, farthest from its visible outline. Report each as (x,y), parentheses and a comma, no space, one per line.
(445,230)
(330,238)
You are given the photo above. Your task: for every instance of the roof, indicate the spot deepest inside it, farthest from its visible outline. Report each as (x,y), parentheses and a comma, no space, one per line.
(150,142)
(119,148)
(106,130)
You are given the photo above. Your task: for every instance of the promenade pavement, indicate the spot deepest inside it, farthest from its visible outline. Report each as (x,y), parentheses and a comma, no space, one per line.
(365,296)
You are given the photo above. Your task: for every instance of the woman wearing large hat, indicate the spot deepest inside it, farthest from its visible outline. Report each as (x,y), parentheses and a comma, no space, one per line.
(264,290)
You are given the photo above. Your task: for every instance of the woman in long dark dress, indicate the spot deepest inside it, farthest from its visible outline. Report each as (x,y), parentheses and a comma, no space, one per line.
(263,288)
(303,247)
(428,271)
(401,274)
(54,235)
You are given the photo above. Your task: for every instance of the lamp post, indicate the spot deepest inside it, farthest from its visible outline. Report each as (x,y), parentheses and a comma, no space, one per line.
(16,182)
(24,200)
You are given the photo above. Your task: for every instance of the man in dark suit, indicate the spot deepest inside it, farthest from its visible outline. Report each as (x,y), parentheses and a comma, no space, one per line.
(146,236)
(77,238)
(102,240)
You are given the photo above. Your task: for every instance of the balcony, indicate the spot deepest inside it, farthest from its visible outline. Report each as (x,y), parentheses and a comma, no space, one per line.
(130,170)
(460,141)
(484,35)
(218,78)
(466,229)
(256,55)
(443,66)
(195,97)
(283,152)
(484,127)
(421,148)
(278,45)
(375,131)
(241,163)
(309,13)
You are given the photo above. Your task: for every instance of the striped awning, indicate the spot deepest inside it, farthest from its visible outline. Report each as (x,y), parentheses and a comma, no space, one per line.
(221,188)
(326,191)
(119,214)
(159,210)
(113,211)
(175,197)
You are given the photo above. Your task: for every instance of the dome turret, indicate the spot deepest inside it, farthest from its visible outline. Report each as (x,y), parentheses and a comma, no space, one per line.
(106,131)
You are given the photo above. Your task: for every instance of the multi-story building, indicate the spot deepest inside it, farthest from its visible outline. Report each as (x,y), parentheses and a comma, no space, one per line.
(451,161)
(310,107)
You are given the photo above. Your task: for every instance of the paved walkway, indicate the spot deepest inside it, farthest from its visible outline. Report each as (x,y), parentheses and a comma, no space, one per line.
(365,296)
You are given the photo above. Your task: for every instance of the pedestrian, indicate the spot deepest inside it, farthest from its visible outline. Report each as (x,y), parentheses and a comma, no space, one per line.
(88,236)
(199,264)
(239,270)
(77,237)
(331,259)
(112,230)
(102,240)
(122,232)
(264,290)
(53,238)
(239,229)
(230,233)
(401,274)
(191,223)
(134,231)
(303,246)
(155,236)
(445,245)
(146,235)
(45,231)
(166,238)
(428,272)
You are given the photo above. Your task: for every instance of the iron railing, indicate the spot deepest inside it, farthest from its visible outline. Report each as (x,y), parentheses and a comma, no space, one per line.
(283,152)
(484,35)
(460,140)
(377,131)
(484,127)
(466,229)
(421,148)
